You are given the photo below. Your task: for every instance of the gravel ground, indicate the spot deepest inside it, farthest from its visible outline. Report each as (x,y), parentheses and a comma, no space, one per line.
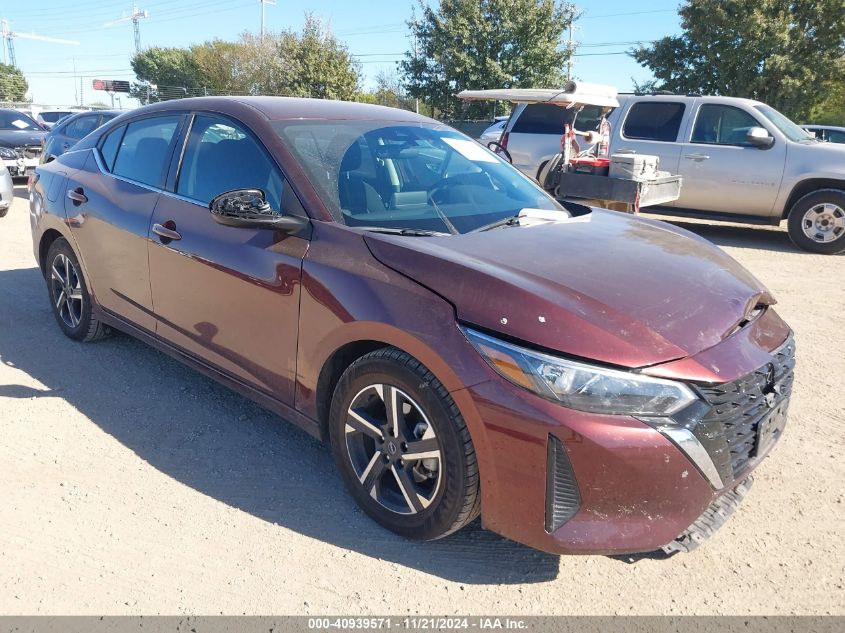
(131,485)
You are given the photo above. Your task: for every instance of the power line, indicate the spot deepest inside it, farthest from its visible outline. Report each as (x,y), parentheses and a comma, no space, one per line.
(618,15)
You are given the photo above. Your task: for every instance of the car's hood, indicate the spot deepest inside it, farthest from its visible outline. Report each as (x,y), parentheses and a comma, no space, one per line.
(603,286)
(19,138)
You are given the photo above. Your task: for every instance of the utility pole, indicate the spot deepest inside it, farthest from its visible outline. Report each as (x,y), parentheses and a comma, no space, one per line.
(264,3)
(136,17)
(570,47)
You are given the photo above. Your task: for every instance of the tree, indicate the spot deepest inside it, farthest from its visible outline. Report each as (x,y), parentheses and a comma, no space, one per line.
(477,44)
(831,110)
(166,67)
(782,52)
(13,84)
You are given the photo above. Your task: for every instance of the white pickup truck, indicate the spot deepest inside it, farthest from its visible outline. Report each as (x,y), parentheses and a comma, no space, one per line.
(740,160)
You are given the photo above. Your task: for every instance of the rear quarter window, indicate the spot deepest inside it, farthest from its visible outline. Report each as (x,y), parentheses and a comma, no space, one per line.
(654,121)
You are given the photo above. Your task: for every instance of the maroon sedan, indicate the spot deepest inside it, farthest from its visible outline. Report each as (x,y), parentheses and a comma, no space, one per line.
(585,380)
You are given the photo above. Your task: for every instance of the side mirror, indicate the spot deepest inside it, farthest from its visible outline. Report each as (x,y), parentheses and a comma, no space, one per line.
(759,137)
(248,208)
(498,148)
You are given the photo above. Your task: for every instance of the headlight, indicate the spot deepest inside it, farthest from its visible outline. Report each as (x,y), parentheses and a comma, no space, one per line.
(7,153)
(579,385)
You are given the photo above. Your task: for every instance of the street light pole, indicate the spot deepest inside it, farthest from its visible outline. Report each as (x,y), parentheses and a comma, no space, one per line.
(264,3)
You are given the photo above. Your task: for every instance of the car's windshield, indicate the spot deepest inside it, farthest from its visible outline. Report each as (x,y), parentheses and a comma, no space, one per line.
(408,176)
(790,130)
(11,120)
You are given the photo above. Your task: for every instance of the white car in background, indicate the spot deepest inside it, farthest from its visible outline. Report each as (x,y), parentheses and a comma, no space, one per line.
(7,191)
(494,132)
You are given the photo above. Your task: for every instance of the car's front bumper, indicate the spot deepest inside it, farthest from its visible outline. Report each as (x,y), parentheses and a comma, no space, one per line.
(635,488)
(19,167)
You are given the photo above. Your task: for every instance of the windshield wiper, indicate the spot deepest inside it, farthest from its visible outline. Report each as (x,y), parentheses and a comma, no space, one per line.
(410,232)
(510,221)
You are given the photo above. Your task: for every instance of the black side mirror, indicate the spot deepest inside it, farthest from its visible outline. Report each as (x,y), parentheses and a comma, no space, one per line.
(248,208)
(759,137)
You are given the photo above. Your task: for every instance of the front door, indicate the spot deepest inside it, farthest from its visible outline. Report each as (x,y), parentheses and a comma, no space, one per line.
(227,295)
(722,172)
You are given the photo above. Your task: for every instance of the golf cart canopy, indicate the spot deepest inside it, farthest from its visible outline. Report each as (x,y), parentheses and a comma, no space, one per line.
(574,93)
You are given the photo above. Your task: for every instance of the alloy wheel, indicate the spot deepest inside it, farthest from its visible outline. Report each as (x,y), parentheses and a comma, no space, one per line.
(393,449)
(824,223)
(66,290)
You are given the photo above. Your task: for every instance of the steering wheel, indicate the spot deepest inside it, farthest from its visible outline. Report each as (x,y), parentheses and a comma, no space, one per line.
(498,148)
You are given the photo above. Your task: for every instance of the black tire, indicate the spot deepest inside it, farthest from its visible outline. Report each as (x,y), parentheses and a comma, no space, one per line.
(3,212)
(75,317)
(456,499)
(798,221)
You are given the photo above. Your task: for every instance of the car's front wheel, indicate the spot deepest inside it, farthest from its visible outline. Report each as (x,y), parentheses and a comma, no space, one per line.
(816,222)
(69,295)
(402,447)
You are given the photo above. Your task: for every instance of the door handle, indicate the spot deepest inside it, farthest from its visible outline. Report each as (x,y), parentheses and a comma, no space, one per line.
(625,150)
(697,157)
(65,146)
(77,195)
(166,233)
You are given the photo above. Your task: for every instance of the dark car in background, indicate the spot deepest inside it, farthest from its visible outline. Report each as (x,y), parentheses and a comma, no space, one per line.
(587,381)
(71,129)
(20,142)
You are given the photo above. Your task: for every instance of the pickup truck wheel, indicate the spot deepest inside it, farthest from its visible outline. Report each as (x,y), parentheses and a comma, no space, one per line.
(816,222)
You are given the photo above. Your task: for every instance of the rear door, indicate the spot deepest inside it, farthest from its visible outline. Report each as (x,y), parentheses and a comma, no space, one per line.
(227,295)
(724,173)
(109,204)
(654,127)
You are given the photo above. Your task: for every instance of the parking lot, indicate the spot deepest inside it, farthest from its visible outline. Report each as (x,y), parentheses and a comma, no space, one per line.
(130,484)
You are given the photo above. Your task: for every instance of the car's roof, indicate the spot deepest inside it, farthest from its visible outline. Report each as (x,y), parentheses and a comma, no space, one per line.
(671,97)
(279,108)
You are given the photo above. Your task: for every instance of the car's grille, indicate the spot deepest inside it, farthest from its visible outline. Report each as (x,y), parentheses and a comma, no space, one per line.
(30,151)
(729,430)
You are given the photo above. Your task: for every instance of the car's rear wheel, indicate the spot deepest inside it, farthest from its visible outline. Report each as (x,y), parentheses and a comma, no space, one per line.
(816,222)
(69,296)
(402,447)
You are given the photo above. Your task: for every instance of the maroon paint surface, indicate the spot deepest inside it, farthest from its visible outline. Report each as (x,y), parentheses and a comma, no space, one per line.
(265,312)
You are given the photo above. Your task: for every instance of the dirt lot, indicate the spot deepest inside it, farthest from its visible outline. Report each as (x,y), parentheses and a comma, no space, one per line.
(129,484)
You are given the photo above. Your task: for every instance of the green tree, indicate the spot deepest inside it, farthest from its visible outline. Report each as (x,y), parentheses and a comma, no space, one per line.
(313,63)
(477,44)
(783,52)
(168,68)
(13,84)
(831,110)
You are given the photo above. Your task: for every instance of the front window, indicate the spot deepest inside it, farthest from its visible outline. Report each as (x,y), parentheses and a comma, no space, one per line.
(408,176)
(790,130)
(719,124)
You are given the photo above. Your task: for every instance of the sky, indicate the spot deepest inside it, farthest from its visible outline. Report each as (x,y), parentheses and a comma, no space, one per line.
(374,30)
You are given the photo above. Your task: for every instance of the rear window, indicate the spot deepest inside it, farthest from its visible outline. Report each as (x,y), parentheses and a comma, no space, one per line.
(541,118)
(654,121)
(547,118)
(145,150)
